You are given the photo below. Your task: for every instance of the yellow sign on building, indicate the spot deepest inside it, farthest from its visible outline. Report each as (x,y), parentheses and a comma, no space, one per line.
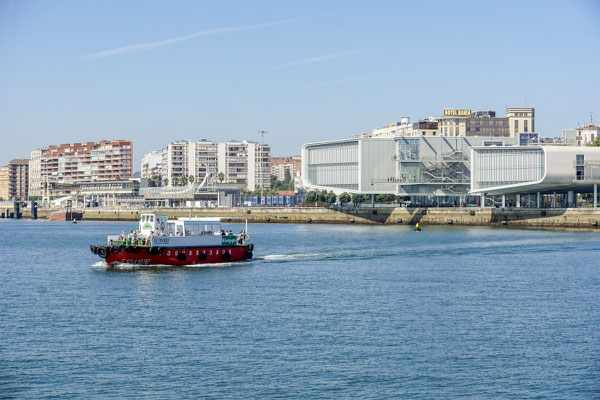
(457,113)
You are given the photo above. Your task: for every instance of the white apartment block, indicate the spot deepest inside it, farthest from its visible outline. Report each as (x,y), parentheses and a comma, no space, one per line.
(238,162)
(152,165)
(244,163)
(187,158)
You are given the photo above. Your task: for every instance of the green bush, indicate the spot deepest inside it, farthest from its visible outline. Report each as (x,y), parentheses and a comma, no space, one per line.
(345,198)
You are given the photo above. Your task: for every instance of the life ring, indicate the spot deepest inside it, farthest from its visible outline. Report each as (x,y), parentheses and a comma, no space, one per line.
(129,249)
(159,250)
(251,247)
(121,248)
(226,256)
(181,256)
(93,249)
(114,249)
(248,255)
(202,257)
(153,250)
(102,252)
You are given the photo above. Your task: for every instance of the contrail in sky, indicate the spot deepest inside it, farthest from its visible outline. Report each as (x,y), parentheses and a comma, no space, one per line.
(315,59)
(168,42)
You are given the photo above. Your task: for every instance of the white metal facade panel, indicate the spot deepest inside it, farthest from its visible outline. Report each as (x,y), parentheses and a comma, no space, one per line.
(332,164)
(506,166)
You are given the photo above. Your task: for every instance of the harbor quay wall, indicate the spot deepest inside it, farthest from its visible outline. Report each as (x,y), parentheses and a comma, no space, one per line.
(534,217)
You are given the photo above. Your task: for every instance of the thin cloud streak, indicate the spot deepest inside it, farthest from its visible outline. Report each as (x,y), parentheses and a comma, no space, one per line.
(337,81)
(168,42)
(325,57)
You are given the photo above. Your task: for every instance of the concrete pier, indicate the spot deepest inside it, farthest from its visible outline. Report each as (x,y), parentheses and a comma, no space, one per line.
(533,217)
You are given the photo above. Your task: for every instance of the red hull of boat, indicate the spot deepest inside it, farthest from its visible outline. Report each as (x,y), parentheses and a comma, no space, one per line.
(173,256)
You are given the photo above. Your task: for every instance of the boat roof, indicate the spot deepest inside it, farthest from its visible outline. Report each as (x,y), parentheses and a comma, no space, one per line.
(204,219)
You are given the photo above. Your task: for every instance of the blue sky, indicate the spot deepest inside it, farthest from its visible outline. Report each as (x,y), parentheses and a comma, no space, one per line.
(156,71)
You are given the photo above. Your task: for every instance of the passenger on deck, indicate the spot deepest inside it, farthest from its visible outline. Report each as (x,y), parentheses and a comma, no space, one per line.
(242,237)
(149,238)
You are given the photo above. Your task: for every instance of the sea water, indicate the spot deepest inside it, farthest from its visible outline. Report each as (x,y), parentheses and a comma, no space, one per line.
(321,311)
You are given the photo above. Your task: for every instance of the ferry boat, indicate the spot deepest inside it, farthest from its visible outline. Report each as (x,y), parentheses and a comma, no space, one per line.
(185,241)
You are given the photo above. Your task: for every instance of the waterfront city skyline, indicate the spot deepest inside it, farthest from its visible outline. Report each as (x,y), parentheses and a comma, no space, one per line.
(154,73)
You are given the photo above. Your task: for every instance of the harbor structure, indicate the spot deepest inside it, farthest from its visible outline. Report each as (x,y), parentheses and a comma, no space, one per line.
(70,164)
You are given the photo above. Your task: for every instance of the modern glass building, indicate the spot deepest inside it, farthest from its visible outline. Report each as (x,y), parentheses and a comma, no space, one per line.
(532,172)
(429,169)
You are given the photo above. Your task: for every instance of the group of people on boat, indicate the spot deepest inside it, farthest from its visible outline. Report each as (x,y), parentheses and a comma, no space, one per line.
(134,238)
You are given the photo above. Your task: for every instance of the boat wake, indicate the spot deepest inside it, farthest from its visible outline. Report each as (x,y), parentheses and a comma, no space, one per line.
(101,265)
(321,256)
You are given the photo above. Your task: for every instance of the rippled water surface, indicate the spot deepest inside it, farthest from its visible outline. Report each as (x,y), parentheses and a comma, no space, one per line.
(320,312)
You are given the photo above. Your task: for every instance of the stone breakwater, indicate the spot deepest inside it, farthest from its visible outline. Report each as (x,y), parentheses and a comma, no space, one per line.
(557,218)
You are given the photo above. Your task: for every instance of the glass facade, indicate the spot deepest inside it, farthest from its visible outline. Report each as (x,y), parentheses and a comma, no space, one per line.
(333,164)
(500,167)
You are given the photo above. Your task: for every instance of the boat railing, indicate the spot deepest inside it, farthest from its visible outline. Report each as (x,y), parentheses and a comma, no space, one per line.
(115,240)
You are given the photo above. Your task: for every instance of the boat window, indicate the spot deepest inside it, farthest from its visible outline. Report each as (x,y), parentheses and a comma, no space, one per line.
(229,251)
(210,252)
(203,251)
(168,253)
(176,252)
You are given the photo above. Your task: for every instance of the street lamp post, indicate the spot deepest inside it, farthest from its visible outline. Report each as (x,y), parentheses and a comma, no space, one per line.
(260,170)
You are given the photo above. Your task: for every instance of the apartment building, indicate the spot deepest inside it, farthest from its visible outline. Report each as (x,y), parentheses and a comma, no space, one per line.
(152,165)
(107,160)
(424,127)
(4,183)
(281,164)
(240,162)
(581,136)
(185,158)
(14,180)
(485,123)
(244,163)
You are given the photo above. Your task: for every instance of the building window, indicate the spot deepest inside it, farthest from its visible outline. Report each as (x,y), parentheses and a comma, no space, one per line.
(525,126)
(516,125)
